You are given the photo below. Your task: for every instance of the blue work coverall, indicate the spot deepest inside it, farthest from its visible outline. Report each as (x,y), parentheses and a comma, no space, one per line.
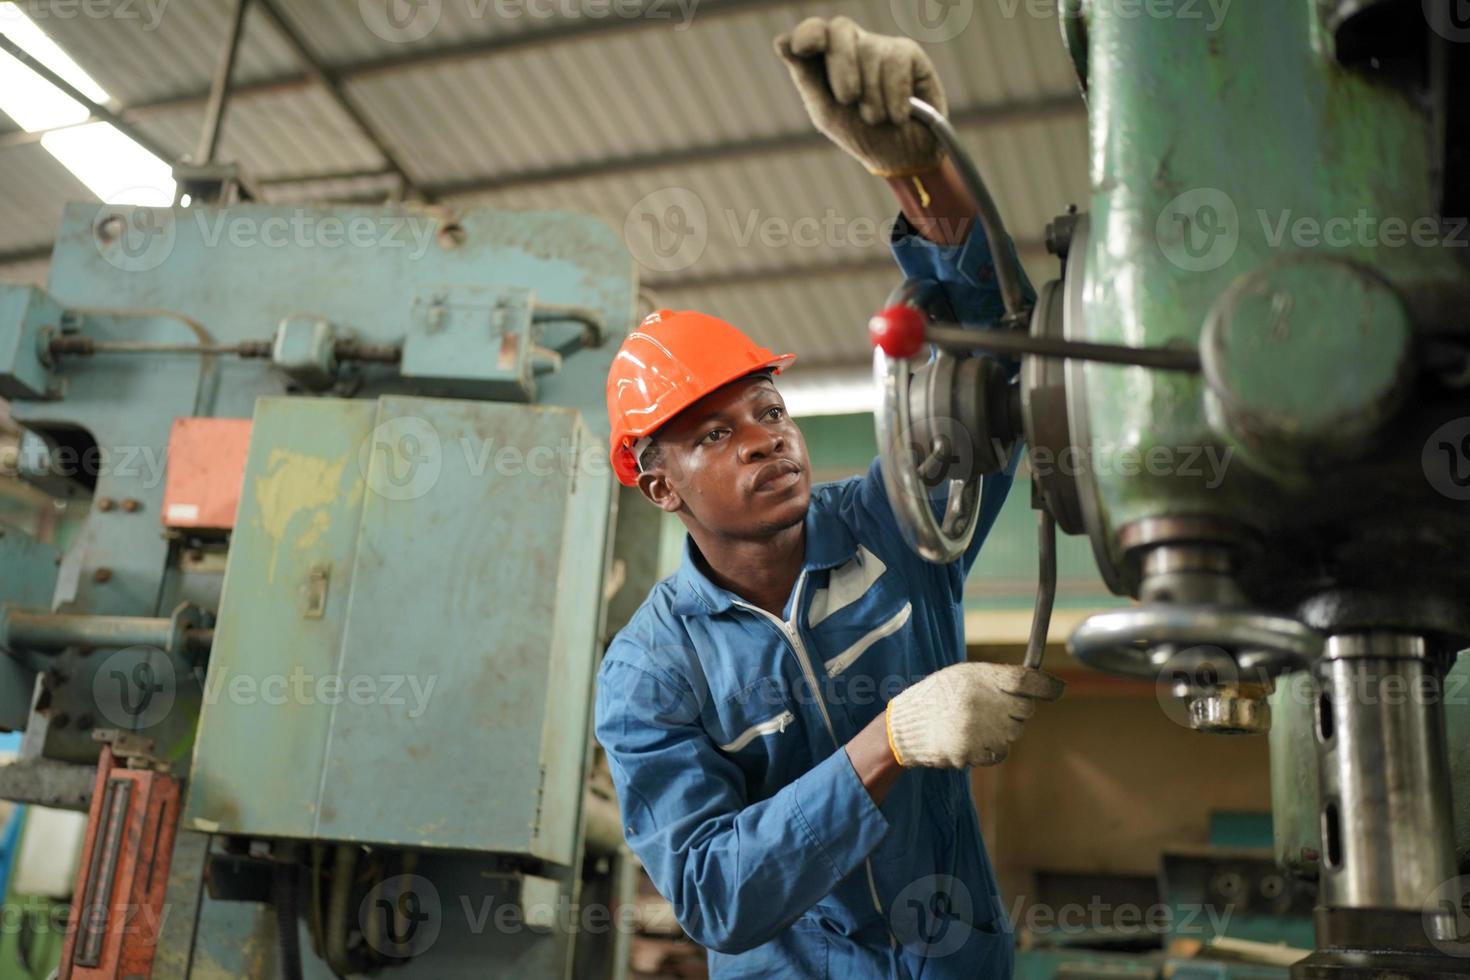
(724,728)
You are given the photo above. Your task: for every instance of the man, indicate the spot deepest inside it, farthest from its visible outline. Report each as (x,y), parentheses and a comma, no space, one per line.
(788,718)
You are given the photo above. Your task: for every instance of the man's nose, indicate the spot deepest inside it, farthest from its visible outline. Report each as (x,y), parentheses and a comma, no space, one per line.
(758,442)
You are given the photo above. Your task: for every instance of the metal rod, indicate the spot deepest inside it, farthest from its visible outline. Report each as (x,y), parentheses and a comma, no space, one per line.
(97,109)
(1008,342)
(1007,268)
(97,900)
(57,631)
(1046,589)
(603,826)
(49,632)
(86,347)
(219,90)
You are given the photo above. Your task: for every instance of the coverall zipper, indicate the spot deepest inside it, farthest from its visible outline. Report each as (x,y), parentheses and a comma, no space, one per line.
(792,632)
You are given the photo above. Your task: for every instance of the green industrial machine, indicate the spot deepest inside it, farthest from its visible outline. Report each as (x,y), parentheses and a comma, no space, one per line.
(331,622)
(1272,271)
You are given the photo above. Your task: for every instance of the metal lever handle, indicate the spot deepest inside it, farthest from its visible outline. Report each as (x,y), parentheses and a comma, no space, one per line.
(1046,589)
(1007,266)
(945,537)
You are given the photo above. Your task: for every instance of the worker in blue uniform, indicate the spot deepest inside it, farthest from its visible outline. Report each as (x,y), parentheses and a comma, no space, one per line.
(789,718)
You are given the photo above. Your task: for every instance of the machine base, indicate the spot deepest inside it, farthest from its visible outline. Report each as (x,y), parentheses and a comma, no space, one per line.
(1341,964)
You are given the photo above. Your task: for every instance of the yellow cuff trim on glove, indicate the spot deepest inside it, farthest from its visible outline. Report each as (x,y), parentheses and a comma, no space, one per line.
(886,174)
(888,727)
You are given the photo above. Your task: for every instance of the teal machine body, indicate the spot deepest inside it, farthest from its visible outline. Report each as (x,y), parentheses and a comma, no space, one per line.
(375,683)
(1272,270)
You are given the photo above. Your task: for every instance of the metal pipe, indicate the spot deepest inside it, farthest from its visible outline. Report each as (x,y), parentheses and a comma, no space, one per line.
(604,827)
(595,332)
(56,631)
(338,900)
(219,89)
(28,630)
(1387,830)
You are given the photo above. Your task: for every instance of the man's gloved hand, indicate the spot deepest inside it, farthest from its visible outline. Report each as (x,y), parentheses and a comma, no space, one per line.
(966,715)
(856,87)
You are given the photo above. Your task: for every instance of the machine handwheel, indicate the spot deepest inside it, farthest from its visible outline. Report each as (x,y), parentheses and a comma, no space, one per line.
(938,538)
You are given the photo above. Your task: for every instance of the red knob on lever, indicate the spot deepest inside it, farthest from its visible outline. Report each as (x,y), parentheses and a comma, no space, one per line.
(899,330)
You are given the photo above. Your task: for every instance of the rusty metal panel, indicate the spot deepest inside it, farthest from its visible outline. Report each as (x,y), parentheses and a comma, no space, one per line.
(406,640)
(206,463)
(477,582)
(257,759)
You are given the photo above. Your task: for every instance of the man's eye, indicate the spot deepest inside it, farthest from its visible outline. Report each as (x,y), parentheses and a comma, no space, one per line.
(713,435)
(775,413)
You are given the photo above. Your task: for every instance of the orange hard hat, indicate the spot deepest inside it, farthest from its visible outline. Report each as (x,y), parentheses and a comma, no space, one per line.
(670,362)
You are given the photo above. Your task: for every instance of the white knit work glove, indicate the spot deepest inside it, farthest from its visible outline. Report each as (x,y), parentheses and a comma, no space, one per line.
(856,87)
(966,715)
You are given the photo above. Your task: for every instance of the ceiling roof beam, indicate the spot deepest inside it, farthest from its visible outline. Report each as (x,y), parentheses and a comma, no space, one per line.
(657,14)
(28,253)
(330,81)
(1049,107)
(1029,250)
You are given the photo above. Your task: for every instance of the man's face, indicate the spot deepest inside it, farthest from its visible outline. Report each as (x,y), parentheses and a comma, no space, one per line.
(733,462)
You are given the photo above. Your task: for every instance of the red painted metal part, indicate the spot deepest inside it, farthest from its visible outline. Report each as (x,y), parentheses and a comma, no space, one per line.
(117,908)
(206,468)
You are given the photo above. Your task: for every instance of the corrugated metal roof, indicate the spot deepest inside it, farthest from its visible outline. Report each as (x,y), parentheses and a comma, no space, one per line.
(35,188)
(151,49)
(790,237)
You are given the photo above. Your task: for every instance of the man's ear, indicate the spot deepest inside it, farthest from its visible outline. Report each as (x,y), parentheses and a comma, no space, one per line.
(659,490)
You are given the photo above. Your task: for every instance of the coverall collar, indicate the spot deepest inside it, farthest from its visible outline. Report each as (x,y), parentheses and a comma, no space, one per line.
(828,544)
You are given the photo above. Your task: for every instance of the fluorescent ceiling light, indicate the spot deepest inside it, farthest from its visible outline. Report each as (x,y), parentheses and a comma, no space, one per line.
(113,166)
